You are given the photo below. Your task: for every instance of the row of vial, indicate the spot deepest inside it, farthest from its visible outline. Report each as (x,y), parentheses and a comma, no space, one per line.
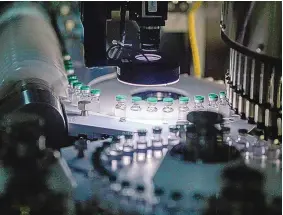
(122,197)
(78,92)
(214,104)
(253,148)
(127,144)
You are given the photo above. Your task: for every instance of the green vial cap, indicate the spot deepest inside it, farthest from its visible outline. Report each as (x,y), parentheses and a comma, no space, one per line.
(136,99)
(199,98)
(95,92)
(184,99)
(152,100)
(85,88)
(72,79)
(222,94)
(78,85)
(168,100)
(121,98)
(72,82)
(212,96)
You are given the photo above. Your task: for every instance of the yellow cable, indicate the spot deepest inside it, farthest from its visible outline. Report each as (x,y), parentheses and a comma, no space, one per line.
(193,39)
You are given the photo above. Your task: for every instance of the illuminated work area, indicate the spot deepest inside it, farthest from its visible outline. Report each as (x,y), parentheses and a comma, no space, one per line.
(140,107)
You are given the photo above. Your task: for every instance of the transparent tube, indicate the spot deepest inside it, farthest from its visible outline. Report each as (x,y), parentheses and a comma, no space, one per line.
(183,108)
(95,100)
(121,107)
(142,141)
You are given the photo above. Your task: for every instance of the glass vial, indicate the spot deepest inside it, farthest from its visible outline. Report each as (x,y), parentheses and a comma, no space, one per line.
(212,102)
(142,141)
(71,89)
(260,146)
(183,108)
(121,107)
(222,98)
(173,137)
(157,142)
(152,101)
(136,100)
(242,143)
(199,100)
(77,93)
(85,93)
(226,136)
(167,109)
(128,146)
(95,100)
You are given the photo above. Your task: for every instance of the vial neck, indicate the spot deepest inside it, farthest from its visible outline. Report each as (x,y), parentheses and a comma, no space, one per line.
(156,136)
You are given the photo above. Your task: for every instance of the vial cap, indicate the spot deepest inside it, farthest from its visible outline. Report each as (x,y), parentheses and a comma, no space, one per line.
(121,98)
(142,132)
(222,94)
(140,188)
(157,130)
(242,131)
(212,97)
(128,135)
(78,85)
(72,77)
(72,82)
(176,196)
(152,100)
(168,100)
(66,57)
(112,178)
(136,99)
(226,130)
(95,92)
(173,128)
(85,88)
(125,184)
(183,99)
(159,192)
(199,99)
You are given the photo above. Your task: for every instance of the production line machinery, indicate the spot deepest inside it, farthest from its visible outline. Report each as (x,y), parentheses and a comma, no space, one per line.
(60,155)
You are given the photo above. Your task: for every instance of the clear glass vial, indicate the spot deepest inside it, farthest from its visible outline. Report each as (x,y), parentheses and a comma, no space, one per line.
(121,107)
(85,93)
(183,108)
(199,100)
(95,100)
(260,146)
(222,98)
(173,137)
(142,141)
(168,102)
(128,146)
(152,101)
(71,87)
(212,102)
(136,100)
(226,136)
(242,142)
(157,142)
(77,93)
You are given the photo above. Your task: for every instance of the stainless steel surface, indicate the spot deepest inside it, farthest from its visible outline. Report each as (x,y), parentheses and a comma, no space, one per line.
(31,49)
(254,25)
